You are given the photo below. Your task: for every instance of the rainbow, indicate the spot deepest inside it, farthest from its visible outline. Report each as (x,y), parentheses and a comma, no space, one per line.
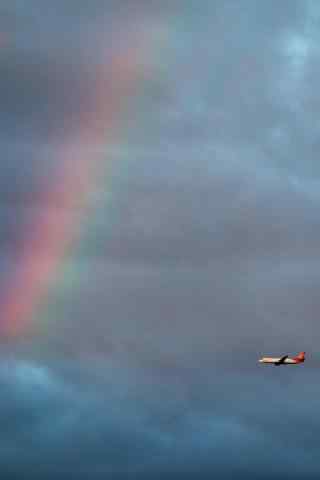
(52,235)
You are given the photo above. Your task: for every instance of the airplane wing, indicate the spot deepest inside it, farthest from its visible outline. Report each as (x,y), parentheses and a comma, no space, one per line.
(281,360)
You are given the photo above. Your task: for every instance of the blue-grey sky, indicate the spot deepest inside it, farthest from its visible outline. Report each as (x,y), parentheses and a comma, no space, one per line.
(197,252)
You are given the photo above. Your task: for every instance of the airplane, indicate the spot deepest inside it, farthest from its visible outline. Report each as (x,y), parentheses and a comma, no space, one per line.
(284,360)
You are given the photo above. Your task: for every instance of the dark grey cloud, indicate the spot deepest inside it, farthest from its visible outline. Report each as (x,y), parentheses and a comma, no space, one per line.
(124,429)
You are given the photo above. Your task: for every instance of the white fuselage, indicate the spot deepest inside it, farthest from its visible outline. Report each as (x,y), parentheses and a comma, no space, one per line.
(276,360)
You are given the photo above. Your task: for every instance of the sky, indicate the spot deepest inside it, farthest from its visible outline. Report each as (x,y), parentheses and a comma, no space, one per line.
(160,231)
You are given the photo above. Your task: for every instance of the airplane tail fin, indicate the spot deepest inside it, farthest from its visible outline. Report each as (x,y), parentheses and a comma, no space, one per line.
(300,357)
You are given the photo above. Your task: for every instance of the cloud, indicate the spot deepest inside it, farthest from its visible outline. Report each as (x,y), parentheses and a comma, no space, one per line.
(200,252)
(55,426)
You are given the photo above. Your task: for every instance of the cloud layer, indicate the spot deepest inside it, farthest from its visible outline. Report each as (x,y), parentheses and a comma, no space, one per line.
(122,427)
(199,253)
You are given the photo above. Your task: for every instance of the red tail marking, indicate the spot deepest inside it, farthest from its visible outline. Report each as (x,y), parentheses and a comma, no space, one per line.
(300,357)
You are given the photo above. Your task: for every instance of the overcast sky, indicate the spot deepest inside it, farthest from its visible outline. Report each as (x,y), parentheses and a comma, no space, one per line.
(160,230)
